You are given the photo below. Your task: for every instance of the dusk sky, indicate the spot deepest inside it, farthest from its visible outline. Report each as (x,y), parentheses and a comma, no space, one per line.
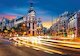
(45,9)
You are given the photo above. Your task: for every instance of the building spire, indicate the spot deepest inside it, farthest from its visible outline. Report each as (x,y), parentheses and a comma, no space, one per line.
(31,6)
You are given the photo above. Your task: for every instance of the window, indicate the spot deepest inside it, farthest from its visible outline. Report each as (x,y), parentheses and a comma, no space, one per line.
(29,32)
(29,25)
(33,25)
(33,33)
(64,21)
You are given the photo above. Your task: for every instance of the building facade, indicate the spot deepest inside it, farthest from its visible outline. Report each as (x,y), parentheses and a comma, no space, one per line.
(28,23)
(59,27)
(5,24)
(74,25)
(67,25)
(54,29)
(39,27)
(32,21)
(63,24)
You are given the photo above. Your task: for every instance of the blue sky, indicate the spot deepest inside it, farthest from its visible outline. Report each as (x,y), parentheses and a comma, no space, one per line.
(45,9)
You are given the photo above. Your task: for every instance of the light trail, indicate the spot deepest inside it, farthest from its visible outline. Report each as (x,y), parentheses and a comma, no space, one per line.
(62,47)
(63,44)
(35,44)
(43,48)
(58,41)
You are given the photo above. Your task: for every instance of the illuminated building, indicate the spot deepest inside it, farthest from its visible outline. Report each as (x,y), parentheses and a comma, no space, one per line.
(32,21)
(5,24)
(59,27)
(74,25)
(33,26)
(39,27)
(63,24)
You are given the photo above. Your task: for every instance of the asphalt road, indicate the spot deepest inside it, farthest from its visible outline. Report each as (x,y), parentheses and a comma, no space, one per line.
(7,49)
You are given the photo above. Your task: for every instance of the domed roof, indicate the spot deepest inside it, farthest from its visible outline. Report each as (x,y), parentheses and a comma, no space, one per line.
(30,11)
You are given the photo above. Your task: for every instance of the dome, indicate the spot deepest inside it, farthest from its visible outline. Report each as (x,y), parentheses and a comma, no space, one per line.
(30,11)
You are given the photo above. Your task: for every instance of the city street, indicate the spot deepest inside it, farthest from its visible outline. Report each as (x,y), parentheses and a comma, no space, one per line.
(39,28)
(46,48)
(7,49)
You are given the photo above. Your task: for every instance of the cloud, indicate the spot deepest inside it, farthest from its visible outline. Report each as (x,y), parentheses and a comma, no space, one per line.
(10,17)
(13,14)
